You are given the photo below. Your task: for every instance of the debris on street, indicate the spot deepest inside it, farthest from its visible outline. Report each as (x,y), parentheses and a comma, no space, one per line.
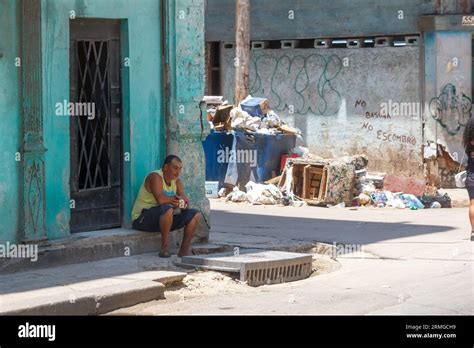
(293,176)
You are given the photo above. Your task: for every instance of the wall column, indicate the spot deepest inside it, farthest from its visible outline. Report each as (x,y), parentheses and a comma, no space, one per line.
(33,150)
(186,124)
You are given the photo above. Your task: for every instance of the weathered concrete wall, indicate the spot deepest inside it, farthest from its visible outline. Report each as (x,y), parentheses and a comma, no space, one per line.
(185,128)
(9,123)
(448,74)
(335,96)
(299,19)
(449,94)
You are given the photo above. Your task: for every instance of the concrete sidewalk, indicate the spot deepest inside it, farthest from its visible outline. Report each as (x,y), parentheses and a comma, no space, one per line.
(98,287)
(86,247)
(88,288)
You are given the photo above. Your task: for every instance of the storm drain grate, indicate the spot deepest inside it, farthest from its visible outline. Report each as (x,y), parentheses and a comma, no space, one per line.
(257,267)
(292,271)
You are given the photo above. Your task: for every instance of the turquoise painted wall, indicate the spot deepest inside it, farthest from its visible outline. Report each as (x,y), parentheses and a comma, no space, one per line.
(143,95)
(143,107)
(9,123)
(185,58)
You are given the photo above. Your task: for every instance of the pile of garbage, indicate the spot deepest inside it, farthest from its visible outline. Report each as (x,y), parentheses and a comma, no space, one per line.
(251,115)
(308,178)
(369,192)
(259,194)
(347,184)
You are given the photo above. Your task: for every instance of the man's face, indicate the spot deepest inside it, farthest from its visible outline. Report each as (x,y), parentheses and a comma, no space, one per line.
(173,170)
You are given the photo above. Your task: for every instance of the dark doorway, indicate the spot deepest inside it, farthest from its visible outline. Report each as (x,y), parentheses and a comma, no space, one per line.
(95,124)
(213,58)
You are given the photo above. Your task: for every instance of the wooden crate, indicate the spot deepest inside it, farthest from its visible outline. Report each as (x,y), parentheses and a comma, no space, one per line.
(314,180)
(309,182)
(298,179)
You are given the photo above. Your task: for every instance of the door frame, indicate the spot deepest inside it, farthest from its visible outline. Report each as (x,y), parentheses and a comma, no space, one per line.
(124,126)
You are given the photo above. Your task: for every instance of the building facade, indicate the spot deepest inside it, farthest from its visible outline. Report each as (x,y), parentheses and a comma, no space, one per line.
(93,95)
(389,79)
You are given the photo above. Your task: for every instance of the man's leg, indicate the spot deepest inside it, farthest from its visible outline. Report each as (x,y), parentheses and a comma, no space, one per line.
(166,220)
(189,230)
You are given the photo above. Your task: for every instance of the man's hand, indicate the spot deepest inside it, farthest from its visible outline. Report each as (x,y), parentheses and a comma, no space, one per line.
(174,202)
(185,199)
(180,193)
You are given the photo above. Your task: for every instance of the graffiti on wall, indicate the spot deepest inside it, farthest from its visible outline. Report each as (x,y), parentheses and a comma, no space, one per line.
(450,109)
(390,137)
(299,84)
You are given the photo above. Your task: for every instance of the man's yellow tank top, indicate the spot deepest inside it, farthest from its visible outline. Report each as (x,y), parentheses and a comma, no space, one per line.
(146,200)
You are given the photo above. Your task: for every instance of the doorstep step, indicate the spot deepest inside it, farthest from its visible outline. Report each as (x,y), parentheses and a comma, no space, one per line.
(86,247)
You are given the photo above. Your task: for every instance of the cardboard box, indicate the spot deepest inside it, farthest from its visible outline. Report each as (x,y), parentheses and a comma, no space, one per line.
(221,119)
(256,106)
(222,114)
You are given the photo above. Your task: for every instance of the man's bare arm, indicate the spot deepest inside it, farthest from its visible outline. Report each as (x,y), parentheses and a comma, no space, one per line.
(155,186)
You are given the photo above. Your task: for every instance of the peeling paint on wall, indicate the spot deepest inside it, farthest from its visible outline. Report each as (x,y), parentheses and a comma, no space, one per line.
(448,66)
(186,67)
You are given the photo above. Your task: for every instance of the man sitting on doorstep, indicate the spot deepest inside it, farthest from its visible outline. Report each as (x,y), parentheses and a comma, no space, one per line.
(162,206)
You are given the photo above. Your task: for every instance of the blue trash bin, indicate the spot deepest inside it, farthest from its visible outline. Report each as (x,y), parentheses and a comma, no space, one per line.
(215,141)
(265,149)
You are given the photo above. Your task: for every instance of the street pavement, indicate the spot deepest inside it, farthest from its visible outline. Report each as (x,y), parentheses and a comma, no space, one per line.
(394,262)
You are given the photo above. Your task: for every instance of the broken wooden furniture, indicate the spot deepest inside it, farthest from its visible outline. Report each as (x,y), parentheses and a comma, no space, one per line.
(309,182)
(321,182)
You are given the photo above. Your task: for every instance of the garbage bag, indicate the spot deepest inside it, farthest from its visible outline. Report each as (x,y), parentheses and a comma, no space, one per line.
(378,197)
(263,194)
(411,201)
(236,196)
(443,200)
(364,199)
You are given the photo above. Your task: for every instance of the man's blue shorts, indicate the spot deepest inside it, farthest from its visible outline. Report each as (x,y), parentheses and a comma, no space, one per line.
(149,219)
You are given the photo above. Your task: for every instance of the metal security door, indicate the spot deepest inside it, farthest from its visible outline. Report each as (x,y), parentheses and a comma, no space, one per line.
(96,140)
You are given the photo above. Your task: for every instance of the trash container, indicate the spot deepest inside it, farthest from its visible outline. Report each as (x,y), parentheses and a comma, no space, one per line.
(256,156)
(215,141)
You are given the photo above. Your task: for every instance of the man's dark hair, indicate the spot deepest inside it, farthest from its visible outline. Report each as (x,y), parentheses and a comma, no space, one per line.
(170,158)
